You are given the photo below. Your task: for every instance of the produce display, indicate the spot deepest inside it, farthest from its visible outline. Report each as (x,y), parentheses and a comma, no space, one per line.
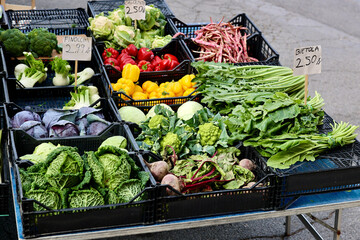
(61,123)
(265,109)
(62,178)
(144,58)
(129,85)
(117,30)
(212,131)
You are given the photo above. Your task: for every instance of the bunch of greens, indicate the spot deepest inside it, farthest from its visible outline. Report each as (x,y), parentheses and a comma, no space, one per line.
(203,173)
(284,129)
(291,149)
(118,31)
(61,178)
(223,86)
(204,133)
(263,115)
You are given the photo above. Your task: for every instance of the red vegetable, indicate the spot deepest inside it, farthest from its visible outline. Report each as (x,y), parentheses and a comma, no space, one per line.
(131,50)
(168,64)
(145,54)
(155,62)
(111,61)
(171,57)
(109,52)
(144,66)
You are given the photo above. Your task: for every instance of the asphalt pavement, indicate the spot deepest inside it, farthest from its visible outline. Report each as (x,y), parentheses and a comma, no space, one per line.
(286,25)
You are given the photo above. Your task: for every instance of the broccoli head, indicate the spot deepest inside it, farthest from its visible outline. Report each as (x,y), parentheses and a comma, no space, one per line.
(171,139)
(14,41)
(155,121)
(209,134)
(42,42)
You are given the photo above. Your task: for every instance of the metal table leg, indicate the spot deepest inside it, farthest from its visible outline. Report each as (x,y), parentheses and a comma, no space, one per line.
(337,224)
(287,225)
(310,227)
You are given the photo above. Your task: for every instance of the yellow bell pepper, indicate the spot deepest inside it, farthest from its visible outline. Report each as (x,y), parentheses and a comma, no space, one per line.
(131,72)
(185,81)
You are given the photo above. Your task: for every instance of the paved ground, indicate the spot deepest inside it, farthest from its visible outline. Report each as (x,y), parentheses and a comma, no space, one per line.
(286,25)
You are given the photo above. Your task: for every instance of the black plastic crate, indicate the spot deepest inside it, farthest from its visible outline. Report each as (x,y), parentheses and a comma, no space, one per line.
(26,20)
(5,192)
(39,99)
(94,64)
(49,222)
(257,47)
(146,104)
(239,20)
(106,107)
(204,204)
(335,170)
(176,47)
(96,7)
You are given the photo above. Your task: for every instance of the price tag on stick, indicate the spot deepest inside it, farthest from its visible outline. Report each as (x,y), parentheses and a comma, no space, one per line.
(78,48)
(135,9)
(307,60)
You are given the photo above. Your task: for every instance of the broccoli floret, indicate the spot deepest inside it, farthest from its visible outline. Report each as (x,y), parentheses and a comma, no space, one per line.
(14,41)
(171,139)
(148,141)
(209,134)
(155,121)
(42,42)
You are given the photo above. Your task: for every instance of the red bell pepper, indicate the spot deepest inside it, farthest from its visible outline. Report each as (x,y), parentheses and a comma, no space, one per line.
(109,52)
(145,54)
(155,62)
(171,57)
(145,66)
(111,61)
(168,64)
(131,50)
(126,60)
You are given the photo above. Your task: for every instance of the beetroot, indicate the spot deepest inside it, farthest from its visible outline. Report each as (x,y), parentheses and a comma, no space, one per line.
(173,181)
(158,169)
(248,164)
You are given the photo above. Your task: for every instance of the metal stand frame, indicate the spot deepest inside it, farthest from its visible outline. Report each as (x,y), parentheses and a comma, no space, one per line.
(335,229)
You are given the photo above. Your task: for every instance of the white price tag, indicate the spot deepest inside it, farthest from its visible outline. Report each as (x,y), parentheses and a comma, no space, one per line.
(307,60)
(77,48)
(135,9)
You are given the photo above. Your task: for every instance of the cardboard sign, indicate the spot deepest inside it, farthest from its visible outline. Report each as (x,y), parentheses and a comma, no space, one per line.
(307,60)
(77,47)
(135,9)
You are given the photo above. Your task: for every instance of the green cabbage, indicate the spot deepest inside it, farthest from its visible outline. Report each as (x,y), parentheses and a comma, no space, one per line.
(65,168)
(49,198)
(85,198)
(128,190)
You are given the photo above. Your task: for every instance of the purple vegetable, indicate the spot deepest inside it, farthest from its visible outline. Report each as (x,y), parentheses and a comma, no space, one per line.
(63,128)
(81,118)
(35,129)
(96,127)
(52,116)
(24,116)
(96,124)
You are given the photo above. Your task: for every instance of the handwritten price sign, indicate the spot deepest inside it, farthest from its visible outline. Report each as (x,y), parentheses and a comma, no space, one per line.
(135,9)
(77,48)
(307,60)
